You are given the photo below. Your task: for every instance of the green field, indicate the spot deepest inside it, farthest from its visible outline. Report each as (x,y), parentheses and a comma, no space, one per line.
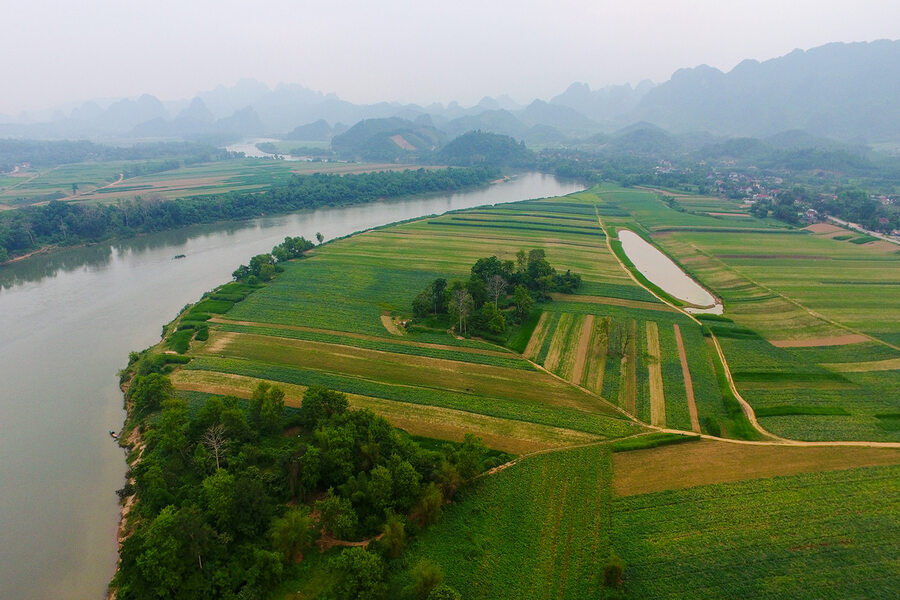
(98,182)
(706,519)
(544,527)
(321,322)
(827,300)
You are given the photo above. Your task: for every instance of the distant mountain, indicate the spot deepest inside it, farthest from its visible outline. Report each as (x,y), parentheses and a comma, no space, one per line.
(317,131)
(492,120)
(844,91)
(562,118)
(390,139)
(609,104)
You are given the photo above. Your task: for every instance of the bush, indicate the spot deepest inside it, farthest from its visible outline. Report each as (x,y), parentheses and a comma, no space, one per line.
(613,570)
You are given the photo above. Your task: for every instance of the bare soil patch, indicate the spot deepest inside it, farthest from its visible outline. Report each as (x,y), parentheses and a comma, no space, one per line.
(834,340)
(688,384)
(823,228)
(401,141)
(391,325)
(708,461)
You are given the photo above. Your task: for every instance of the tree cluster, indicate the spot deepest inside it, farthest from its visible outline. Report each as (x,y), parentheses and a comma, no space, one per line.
(263,267)
(26,229)
(225,499)
(496,291)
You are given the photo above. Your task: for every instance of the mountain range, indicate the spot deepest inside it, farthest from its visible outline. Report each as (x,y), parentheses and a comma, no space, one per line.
(839,91)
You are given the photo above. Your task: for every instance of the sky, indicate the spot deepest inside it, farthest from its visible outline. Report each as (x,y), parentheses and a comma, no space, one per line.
(58,51)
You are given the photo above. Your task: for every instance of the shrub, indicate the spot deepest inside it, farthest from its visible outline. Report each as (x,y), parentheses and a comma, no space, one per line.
(613,570)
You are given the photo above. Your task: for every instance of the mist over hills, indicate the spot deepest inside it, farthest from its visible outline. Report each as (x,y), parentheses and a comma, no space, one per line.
(845,92)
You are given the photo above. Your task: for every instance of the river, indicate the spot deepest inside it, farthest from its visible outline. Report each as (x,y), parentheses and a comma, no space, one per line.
(67,322)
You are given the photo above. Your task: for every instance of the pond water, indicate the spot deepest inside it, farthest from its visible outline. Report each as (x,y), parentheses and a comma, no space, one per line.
(661,270)
(67,322)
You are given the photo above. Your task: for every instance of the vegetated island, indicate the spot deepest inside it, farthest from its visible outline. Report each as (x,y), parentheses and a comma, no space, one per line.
(520,323)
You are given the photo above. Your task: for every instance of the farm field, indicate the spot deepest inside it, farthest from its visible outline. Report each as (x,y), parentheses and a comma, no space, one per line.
(543,527)
(98,182)
(707,518)
(604,362)
(811,322)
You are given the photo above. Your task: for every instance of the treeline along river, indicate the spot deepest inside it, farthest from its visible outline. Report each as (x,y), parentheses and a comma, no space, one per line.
(67,322)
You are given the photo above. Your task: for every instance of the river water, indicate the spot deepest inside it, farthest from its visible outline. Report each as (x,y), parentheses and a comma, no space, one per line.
(661,270)
(67,322)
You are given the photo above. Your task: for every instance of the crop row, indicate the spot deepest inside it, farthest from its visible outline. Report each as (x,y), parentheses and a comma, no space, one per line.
(509,362)
(504,408)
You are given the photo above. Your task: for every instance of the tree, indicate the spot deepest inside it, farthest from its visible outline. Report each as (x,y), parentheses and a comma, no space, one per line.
(214,440)
(359,575)
(613,570)
(319,237)
(218,491)
(470,456)
(461,307)
(425,577)
(492,318)
(272,410)
(523,301)
(496,285)
(423,303)
(319,404)
(147,392)
(444,592)
(428,510)
(394,540)
(438,288)
(292,534)
(74,188)
(337,515)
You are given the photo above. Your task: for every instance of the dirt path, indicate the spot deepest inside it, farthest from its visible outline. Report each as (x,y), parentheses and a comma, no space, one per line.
(654,368)
(584,346)
(688,384)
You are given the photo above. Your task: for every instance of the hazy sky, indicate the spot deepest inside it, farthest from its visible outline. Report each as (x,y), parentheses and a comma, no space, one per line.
(55,51)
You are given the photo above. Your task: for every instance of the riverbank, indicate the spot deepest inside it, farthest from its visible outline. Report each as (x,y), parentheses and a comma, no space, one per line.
(82,223)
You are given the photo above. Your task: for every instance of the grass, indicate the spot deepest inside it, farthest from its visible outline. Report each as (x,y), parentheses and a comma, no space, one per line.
(538,529)
(742,540)
(542,527)
(653,440)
